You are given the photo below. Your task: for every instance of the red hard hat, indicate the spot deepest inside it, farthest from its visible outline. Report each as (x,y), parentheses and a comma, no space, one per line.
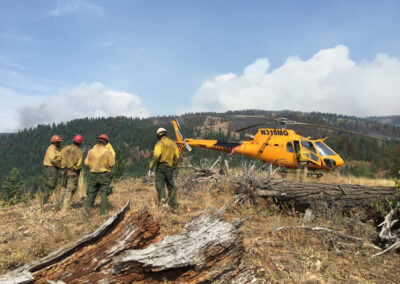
(55,138)
(78,139)
(103,137)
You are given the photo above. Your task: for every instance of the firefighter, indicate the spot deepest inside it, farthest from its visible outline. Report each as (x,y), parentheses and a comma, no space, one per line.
(71,164)
(301,166)
(109,147)
(165,161)
(51,164)
(100,160)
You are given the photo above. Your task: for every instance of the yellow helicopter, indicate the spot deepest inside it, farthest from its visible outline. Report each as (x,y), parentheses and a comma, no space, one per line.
(277,146)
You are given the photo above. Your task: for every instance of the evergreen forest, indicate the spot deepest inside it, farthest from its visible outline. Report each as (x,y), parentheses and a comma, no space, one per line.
(133,139)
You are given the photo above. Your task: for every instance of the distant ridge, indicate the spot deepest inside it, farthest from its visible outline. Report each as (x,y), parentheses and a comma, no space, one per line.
(392,119)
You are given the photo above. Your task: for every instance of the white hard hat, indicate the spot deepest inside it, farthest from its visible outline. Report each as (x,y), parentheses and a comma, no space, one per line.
(160,130)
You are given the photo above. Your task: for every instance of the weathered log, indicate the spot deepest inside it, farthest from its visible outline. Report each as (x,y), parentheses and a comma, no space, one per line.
(126,252)
(23,274)
(304,194)
(388,233)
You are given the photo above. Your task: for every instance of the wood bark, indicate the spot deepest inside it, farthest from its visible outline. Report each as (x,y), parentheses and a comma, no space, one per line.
(304,194)
(389,232)
(129,249)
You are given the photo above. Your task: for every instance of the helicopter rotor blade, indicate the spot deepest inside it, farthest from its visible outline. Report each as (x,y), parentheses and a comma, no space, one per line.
(335,128)
(255,116)
(248,127)
(283,121)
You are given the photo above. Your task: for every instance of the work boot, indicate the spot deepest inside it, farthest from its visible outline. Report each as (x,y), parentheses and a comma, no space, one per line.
(175,210)
(162,202)
(87,211)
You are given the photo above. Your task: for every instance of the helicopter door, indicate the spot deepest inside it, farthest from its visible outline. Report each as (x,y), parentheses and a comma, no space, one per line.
(309,151)
(291,153)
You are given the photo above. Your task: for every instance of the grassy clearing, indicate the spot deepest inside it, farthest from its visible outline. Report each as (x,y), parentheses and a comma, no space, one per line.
(336,177)
(29,232)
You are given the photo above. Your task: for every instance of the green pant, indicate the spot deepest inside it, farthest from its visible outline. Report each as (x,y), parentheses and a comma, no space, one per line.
(50,182)
(69,188)
(165,175)
(98,182)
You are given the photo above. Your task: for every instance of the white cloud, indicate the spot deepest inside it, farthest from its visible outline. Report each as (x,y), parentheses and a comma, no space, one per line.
(69,7)
(84,100)
(328,82)
(11,101)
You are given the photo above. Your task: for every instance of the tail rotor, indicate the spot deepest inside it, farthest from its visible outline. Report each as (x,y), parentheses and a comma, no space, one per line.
(179,137)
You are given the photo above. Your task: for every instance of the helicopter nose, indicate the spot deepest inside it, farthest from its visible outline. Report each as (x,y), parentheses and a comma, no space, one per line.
(339,161)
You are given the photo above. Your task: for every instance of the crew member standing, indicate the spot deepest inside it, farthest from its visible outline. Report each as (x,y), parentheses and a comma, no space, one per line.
(71,163)
(52,164)
(100,160)
(301,166)
(165,161)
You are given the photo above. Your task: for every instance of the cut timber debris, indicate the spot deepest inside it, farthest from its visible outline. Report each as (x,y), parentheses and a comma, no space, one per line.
(388,233)
(304,194)
(127,249)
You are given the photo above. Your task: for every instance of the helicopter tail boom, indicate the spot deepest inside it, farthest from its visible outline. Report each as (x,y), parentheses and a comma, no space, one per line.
(181,142)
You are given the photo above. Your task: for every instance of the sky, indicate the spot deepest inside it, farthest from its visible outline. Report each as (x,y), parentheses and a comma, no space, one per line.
(61,60)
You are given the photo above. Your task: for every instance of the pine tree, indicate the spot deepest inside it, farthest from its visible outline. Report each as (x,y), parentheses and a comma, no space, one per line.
(120,165)
(12,186)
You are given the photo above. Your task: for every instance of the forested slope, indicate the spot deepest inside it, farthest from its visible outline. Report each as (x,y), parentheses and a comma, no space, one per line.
(392,119)
(134,140)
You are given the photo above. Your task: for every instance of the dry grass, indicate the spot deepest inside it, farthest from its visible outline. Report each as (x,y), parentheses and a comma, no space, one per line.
(336,177)
(28,232)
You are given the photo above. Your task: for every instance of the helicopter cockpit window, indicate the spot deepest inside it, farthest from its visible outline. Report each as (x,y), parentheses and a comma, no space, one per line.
(308,145)
(289,147)
(323,149)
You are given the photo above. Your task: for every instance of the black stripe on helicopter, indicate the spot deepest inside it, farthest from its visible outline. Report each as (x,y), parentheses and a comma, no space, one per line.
(225,146)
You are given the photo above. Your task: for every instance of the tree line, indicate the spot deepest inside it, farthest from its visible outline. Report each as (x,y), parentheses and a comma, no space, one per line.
(134,139)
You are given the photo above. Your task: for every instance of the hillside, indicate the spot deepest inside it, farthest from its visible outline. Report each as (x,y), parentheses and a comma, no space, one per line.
(392,120)
(134,140)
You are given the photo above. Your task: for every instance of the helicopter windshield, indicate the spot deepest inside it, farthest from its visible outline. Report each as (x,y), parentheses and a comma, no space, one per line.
(323,149)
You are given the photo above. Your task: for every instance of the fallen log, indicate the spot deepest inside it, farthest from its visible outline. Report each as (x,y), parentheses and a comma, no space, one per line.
(304,194)
(24,274)
(128,249)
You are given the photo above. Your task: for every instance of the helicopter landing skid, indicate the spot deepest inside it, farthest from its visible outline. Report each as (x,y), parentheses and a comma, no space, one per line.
(317,175)
(284,172)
